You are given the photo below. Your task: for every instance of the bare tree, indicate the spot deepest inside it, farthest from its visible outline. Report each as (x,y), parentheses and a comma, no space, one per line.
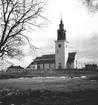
(16,16)
(92,5)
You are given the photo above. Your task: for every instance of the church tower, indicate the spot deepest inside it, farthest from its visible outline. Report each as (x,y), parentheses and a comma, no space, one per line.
(61,48)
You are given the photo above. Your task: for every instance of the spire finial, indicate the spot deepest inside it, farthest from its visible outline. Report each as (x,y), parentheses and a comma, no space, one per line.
(61,25)
(61,18)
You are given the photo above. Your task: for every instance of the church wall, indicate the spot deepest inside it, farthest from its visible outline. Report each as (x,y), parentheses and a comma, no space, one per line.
(52,66)
(75,62)
(61,53)
(41,66)
(33,67)
(46,66)
(70,65)
(66,53)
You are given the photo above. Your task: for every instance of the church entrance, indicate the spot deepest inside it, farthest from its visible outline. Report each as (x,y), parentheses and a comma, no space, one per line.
(60,66)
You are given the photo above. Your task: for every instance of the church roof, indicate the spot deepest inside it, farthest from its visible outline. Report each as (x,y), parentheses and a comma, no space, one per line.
(32,63)
(15,67)
(50,58)
(72,54)
(71,57)
(45,57)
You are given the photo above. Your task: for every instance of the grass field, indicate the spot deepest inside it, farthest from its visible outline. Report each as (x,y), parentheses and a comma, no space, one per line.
(59,90)
(45,73)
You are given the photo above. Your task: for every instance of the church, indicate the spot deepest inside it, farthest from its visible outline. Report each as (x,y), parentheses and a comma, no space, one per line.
(62,59)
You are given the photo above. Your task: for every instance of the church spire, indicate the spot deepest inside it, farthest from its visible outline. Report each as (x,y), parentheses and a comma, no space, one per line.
(61,31)
(61,25)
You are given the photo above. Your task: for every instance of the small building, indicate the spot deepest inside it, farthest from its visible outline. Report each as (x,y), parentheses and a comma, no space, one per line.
(13,69)
(91,66)
(2,71)
(32,66)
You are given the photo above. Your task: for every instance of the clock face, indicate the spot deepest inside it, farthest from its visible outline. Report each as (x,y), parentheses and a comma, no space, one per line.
(59,45)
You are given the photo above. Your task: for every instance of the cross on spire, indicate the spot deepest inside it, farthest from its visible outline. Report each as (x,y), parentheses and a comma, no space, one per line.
(61,17)
(61,25)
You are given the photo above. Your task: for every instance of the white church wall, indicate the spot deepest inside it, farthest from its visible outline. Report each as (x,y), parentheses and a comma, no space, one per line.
(52,66)
(33,67)
(66,53)
(61,53)
(46,66)
(72,65)
(68,65)
(75,62)
(41,66)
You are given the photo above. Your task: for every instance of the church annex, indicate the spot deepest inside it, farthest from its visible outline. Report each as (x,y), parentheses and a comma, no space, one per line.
(62,59)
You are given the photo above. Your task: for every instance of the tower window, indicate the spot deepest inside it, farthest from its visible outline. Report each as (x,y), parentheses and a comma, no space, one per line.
(66,46)
(59,45)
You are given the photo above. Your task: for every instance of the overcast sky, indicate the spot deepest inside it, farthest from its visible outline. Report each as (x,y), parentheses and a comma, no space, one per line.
(81,31)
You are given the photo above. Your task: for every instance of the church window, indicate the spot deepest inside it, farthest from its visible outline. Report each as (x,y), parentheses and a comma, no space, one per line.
(59,45)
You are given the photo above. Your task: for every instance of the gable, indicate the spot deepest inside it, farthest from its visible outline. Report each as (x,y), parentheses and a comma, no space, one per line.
(71,57)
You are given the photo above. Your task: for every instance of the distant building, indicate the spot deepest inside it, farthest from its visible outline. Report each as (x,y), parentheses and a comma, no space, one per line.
(2,71)
(13,69)
(91,66)
(32,66)
(62,59)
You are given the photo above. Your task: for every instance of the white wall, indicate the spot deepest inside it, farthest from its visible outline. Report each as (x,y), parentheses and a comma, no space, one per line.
(46,66)
(76,62)
(32,67)
(41,66)
(61,53)
(70,65)
(52,65)
(12,70)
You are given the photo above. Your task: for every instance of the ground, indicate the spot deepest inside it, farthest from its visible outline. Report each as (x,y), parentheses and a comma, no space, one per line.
(74,89)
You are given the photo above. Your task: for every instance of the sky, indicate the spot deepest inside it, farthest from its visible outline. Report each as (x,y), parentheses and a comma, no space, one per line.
(81,31)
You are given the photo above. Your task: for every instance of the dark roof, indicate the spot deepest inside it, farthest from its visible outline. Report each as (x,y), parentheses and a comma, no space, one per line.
(71,57)
(32,63)
(72,54)
(45,57)
(50,58)
(15,67)
(45,61)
